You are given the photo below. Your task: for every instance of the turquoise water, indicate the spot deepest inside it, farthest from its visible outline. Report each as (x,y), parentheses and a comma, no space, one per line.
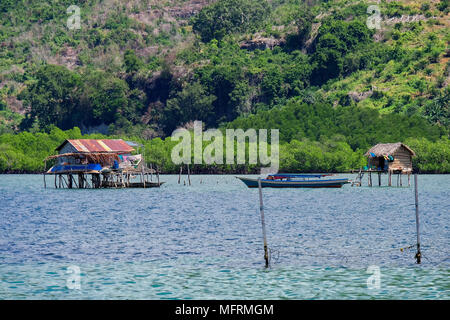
(204,241)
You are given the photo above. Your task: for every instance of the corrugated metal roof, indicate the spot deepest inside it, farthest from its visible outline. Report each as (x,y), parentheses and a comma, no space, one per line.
(98,145)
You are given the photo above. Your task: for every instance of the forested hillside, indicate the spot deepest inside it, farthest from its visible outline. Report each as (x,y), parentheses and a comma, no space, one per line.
(313,69)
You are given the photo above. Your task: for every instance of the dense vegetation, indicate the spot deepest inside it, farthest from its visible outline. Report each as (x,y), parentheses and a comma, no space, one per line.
(24,152)
(141,69)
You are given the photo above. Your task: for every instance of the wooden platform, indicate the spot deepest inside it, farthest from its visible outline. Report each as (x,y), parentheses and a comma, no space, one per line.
(358,180)
(97,180)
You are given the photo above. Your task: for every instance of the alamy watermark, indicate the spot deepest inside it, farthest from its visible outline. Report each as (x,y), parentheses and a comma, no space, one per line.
(375,19)
(74,279)
(74,20)
(374,281)
(213,153)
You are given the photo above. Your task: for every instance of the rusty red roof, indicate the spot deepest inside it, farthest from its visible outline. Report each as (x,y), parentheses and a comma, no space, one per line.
(98,145)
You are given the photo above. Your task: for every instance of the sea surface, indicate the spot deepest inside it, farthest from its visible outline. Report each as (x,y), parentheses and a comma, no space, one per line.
(204,241)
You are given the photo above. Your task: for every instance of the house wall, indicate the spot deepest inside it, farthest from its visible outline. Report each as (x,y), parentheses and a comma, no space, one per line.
(68,148)
(402,160)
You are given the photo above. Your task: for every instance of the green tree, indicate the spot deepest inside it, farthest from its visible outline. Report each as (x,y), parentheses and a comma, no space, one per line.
(131,61)
(53,97)
(230,16)
(192,103)
(104,96)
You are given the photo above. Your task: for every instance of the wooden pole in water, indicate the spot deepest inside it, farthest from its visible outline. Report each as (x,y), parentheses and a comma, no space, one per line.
(179,175)
(416,192)
(189,174)
(143,177)
(45,169)
(263,223)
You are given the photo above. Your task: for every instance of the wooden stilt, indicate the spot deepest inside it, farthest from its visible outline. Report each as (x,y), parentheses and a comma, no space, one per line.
(179,176)
(379,179)
(62,181)
(416,196)
(70,178)
(45,169)
(390,179)
(263,223)
(75,182)
(189,174)
(409,179)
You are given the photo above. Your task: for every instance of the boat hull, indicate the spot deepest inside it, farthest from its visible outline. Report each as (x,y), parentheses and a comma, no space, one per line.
(328,183)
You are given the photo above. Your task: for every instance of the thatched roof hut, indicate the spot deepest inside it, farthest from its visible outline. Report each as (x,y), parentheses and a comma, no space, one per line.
(390,157)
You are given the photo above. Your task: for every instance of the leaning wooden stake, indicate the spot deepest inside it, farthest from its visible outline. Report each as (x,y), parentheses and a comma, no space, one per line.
(261,209)
(418,254)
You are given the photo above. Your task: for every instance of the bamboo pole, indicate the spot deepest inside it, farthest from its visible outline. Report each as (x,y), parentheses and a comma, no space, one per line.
(157,175)
(45,169)
(63,181)
(74,181)
(416,196)
(263,223)
(70,178)
(189,174)
(143,176)
(179,176)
